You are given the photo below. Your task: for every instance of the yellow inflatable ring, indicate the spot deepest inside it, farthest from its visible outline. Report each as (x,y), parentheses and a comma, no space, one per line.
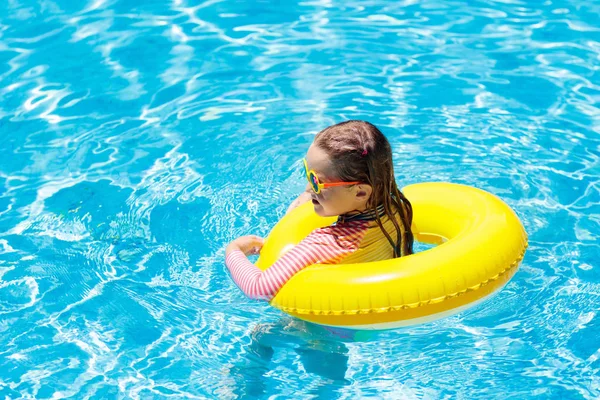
(480,245)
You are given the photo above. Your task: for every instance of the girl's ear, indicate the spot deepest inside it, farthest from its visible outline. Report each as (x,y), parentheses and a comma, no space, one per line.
(364,192)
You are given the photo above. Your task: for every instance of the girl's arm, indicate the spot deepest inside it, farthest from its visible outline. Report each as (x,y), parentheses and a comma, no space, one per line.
(319,247)
(303,198)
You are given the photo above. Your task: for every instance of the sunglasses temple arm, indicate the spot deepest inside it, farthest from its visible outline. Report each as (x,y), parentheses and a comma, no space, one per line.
(332,184)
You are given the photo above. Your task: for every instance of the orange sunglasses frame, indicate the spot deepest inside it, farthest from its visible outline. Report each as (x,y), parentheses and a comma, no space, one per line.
(320,186)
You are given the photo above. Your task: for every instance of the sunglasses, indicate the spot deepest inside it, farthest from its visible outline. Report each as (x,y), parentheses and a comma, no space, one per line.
(316,185)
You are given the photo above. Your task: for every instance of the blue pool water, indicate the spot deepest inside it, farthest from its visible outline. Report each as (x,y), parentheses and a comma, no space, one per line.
(139,137)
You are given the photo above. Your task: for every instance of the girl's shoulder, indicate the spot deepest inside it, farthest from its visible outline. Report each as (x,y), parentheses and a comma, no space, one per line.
(349,232)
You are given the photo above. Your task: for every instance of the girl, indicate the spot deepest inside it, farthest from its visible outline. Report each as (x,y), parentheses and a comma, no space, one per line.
(350,175)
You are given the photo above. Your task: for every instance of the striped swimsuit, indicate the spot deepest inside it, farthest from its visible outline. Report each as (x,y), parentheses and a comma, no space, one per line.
(353,239)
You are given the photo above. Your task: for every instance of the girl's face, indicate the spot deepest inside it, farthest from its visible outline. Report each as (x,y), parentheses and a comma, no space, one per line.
(337,200)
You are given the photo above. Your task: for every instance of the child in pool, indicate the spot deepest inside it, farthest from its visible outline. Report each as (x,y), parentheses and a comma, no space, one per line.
(350,175)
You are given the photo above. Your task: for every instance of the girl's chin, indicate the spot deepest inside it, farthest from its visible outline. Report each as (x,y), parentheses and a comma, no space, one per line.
(320,211)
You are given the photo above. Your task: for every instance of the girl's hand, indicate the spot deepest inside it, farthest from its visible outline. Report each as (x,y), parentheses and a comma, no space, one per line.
(249,245)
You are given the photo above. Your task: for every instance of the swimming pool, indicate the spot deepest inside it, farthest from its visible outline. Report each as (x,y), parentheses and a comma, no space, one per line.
(137,140)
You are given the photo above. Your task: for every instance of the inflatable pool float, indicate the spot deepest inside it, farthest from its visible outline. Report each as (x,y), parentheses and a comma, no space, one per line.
(480,243)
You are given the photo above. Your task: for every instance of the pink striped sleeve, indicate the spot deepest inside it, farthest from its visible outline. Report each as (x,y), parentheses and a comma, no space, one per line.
(321,246)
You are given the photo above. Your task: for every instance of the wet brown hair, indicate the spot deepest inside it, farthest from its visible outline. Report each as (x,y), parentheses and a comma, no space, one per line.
(360,152)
